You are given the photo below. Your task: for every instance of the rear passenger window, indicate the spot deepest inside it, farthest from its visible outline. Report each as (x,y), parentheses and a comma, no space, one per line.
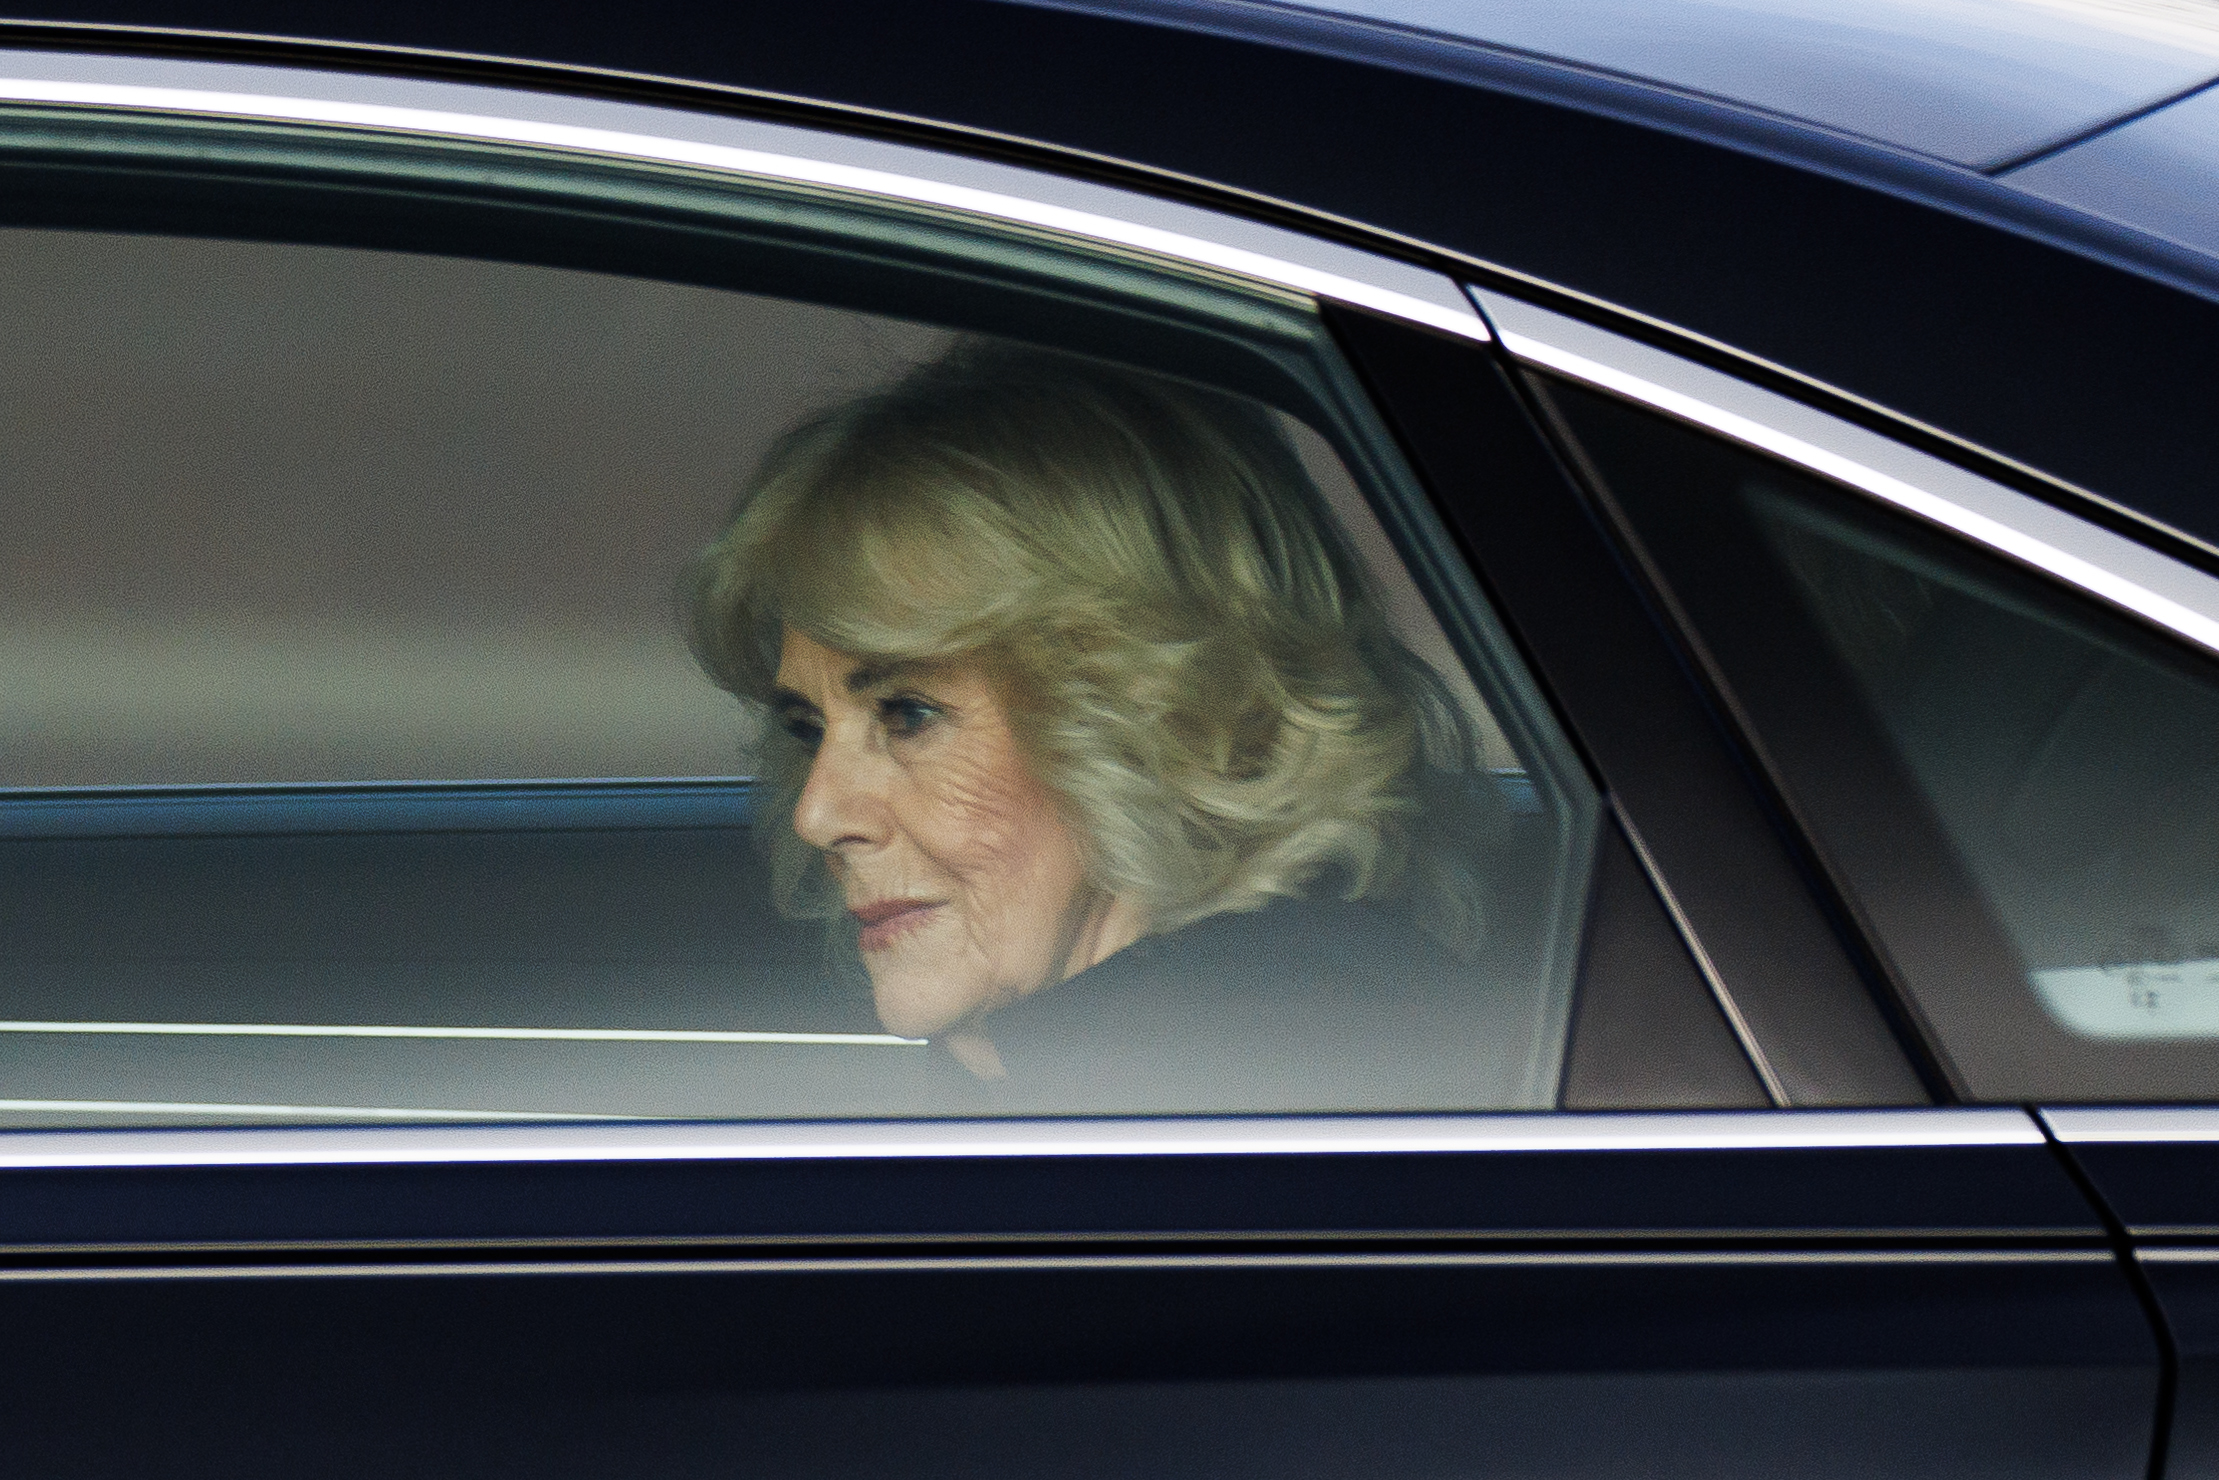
(2018,787)
(888,668)
(283,513)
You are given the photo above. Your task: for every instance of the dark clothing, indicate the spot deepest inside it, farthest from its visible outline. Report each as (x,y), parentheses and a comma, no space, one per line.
(1309,1004)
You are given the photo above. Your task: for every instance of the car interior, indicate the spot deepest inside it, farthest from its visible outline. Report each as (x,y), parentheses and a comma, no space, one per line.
(370,778)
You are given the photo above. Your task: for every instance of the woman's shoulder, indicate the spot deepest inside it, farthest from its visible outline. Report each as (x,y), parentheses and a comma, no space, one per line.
(1288,951)
(1305,1004)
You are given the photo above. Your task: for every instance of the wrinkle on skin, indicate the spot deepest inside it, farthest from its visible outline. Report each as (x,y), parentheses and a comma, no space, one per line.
(969,886)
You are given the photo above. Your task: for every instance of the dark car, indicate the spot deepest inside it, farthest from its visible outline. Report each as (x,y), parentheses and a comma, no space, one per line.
(1609,615)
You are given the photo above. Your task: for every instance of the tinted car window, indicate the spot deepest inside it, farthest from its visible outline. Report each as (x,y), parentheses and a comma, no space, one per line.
(287,513)
(985,677)
(2017,786)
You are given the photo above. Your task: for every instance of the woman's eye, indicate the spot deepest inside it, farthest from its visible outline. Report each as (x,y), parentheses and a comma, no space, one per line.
(905,714)
(805,728)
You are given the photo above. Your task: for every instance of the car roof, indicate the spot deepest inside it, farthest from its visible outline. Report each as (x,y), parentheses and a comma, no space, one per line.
(1973,315)
(2158,172)
(1980,83)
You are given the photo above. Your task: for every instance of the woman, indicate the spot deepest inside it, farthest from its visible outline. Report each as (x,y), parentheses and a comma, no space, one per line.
(1071,680)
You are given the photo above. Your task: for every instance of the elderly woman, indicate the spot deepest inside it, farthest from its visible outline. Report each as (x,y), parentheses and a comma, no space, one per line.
(1089,737)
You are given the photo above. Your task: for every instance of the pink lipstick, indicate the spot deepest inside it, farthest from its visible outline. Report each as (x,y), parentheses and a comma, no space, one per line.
(887,920)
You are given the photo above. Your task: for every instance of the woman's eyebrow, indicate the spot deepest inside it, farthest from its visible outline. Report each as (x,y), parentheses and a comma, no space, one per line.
(870,675)
(785,698)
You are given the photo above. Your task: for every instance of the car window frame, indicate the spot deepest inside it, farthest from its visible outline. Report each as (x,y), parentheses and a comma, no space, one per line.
(2068,546)
(750,148)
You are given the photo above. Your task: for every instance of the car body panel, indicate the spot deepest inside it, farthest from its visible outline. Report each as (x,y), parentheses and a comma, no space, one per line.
(1957,1177)
(2157,1169)
(1314,1365)
(2185,1283)
(2154,1165)
(2158,172)
(1975,82)
(1555,1297)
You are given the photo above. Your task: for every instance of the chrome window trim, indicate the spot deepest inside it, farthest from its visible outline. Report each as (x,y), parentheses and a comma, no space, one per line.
(2114,569)
(754,149)
(1775,1089)
(2146,1124)
(1553,1259)
(1760,1130)
(105,1029)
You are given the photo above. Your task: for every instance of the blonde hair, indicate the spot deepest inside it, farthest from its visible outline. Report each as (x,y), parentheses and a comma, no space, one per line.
(1193,660)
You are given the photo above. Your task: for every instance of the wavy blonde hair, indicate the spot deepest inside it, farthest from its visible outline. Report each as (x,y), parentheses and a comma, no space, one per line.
(1194,662)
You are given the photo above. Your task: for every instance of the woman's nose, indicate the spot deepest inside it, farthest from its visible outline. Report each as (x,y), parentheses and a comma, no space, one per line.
(839,804)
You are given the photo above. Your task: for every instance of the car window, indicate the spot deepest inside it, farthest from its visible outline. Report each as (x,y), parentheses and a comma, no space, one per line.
(289,513)
(826,661)
(2016,785)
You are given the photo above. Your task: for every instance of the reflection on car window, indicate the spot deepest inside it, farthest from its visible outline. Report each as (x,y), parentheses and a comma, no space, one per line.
(2077,776)
(1056,735)
(2021,787)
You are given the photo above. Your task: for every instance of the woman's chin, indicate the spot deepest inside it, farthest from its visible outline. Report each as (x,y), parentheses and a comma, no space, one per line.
(917,1002)
(922,993)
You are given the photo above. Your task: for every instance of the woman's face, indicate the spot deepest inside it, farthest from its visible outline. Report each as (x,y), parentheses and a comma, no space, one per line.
(969,888)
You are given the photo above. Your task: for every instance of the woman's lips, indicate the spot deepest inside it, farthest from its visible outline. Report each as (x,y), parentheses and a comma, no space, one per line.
(889,919)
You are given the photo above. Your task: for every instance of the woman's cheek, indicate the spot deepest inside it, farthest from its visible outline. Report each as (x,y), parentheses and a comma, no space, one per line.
(1000,841)
(973,816)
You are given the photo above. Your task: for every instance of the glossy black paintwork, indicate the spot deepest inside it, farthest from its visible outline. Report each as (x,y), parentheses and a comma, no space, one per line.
(2166,1196)
(1307,1367)
(1954,1193)
(2156,172)
(2158,1189)
(1974,82)
(2089,351)
(2185,1281)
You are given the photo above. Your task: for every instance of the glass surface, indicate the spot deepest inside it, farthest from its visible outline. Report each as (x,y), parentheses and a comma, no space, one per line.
(275,512)
(2019,788)
(1088,718)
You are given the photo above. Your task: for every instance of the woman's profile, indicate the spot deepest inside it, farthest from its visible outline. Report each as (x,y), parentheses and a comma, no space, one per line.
(1090,741)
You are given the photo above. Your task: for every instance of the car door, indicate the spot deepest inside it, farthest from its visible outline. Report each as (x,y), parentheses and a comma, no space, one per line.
(411,1069)
(2153,1167)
